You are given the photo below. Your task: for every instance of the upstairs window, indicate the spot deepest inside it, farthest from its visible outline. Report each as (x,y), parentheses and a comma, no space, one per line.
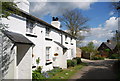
(47,31)
(70,39)
(65,37)
(30,26)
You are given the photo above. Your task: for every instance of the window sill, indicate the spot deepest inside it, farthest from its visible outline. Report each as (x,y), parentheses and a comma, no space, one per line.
(48,38)
(31,34)
(71,43)
(48,63)
(66,42)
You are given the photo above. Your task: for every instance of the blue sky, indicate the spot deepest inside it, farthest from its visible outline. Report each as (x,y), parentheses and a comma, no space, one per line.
(102,18)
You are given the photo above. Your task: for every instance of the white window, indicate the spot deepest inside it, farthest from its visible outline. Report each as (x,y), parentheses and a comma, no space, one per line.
(72,53)
(30,25)
(47,31)
(70,39)
(65,37)
(48,53)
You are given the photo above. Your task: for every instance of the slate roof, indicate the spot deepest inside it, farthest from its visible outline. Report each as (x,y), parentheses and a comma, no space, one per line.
(29,16)
(111,45)
(61,45)
(17,38)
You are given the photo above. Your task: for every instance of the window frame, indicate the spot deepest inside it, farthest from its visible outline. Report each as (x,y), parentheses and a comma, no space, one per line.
(48,53)
(30,26)
(47,33)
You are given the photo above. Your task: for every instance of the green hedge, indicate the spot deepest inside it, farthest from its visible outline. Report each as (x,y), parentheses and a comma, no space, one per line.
(74,62)
(37,75)
(97,57)
(78,60)
(69,63)
(114,56)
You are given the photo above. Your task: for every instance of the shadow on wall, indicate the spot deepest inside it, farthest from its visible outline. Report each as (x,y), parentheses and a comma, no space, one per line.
(21,52)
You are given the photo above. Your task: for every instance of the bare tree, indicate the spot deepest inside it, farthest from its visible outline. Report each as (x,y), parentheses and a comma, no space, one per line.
(74,22)
(116,5)
(5,8)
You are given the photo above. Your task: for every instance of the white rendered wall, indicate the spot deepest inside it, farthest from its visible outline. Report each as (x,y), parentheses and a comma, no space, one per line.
(69,46)
(15,24)
(24,61)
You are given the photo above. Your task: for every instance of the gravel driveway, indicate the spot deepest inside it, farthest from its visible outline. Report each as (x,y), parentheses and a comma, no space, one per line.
(101,70)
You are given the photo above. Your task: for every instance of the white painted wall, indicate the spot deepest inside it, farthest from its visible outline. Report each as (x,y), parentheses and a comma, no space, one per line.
(24,61)
(18,24)
(69,46)
(15,24)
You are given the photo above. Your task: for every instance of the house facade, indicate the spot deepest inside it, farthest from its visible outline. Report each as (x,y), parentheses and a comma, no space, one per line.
(107,48)
(32,38)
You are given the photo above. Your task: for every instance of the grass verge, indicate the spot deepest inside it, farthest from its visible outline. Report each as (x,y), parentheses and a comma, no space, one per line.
(67,73)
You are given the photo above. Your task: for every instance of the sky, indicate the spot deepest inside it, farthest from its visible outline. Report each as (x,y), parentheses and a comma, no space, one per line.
(103,22)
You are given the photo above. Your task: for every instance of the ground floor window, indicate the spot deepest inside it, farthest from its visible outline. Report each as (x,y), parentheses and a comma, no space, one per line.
(48,53)
(72,53)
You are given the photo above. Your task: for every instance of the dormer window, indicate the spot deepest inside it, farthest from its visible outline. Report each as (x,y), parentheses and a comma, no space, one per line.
(30,26)
(47,31)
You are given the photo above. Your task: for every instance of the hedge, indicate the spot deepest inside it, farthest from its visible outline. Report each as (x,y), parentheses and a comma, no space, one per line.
(74,62)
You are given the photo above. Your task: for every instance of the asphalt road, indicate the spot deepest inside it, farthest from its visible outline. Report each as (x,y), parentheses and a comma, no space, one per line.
(97,70)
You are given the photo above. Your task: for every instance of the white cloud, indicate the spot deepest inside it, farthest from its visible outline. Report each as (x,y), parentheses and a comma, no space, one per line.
(101,34)
(56,8)
(111,13)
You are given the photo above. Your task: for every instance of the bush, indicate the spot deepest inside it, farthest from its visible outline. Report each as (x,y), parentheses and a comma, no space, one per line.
(39,68)
(74,63)
(97,57)
(69,63)
(78,60)
(37,75)
(114,56)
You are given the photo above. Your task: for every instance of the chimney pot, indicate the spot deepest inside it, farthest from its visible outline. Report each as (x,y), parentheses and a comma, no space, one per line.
(55,22)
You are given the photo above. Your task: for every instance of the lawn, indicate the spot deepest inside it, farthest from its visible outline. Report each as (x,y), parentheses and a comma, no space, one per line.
(67,73)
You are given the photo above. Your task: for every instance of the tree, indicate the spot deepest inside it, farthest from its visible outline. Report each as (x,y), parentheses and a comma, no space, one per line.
(74,22)
(89,48)
(5,8)
(116,5)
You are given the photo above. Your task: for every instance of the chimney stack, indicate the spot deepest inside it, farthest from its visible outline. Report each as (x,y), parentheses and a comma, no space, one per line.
(109,41)
(55,22)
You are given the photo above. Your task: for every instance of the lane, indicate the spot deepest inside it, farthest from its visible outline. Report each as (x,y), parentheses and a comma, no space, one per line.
(97,69)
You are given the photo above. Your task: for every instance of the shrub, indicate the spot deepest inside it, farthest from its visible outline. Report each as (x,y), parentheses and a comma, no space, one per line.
(37,75)
(114,56)
(78,60)
(74,63)
(69,63)
(97,57)
(39,68)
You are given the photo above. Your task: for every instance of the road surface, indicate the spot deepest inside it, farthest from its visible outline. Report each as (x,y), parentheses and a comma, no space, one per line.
(96,70)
